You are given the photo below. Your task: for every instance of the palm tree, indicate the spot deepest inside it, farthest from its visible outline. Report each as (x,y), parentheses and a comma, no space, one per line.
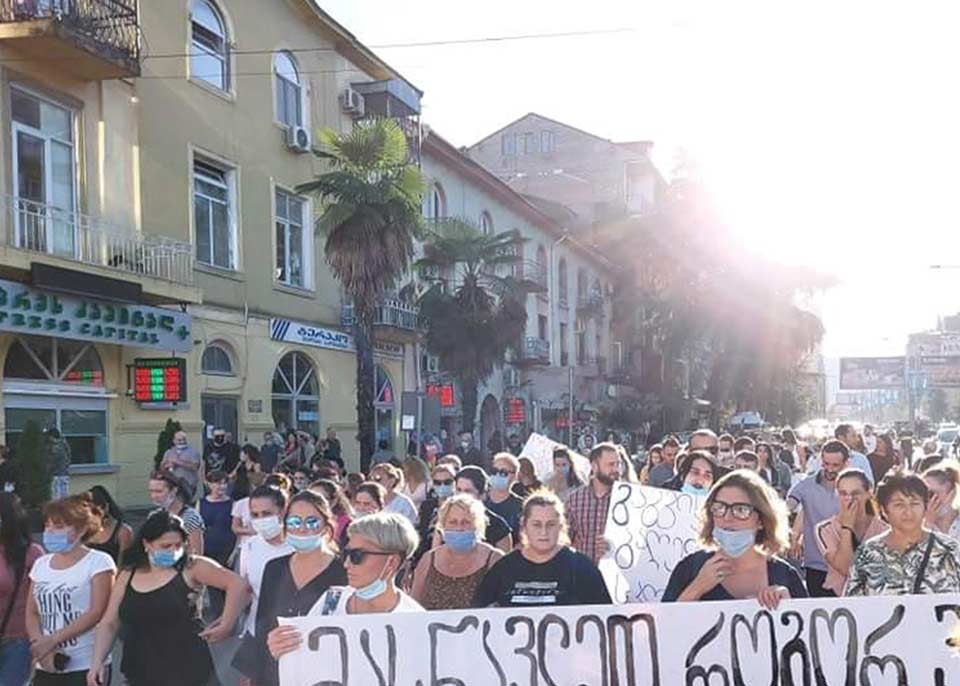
(479,312)
(371,217)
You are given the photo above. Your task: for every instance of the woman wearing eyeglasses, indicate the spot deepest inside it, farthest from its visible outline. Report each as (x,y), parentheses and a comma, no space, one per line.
(447,576)
(378,547)
(744,530)
(292,585)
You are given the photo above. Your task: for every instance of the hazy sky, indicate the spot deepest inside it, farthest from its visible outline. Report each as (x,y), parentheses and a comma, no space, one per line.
(829,131)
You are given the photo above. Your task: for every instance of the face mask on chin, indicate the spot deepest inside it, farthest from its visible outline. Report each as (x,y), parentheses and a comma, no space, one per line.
(375,588)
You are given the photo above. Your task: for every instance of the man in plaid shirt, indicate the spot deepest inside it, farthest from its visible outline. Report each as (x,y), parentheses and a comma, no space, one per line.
(587,506)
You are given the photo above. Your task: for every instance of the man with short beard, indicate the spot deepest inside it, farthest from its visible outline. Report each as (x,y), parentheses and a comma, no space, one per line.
(815,497)
(587,506)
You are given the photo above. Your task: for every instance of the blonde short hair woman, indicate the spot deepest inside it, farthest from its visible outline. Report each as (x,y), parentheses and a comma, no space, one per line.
(447,577)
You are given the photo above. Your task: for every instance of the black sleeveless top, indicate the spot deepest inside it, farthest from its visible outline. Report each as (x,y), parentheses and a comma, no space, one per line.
(112,545)
(161,642)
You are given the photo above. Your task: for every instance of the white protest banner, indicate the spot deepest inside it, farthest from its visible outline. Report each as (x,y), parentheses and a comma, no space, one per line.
(853,641)
(539,449)
(650,530)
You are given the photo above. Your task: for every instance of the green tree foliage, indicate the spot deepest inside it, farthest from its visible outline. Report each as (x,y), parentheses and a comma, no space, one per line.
(32,466)
(476,310)
(370,217)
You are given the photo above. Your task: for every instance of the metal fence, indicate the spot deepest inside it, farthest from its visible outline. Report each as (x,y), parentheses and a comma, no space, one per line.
(112,26)
(81,238)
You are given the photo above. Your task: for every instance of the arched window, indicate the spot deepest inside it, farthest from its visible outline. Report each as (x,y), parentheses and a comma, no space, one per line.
(210,45)
(384,402)
(216,360)
(288,90)
(486,223)
(36,358)
(435,203)
(58,384)
(543,276)
(296,394)
(562,280)
(581,283)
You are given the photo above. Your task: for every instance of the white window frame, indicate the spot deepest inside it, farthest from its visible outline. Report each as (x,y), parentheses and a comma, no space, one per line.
(548,142)
(225,81)
(508,144)
(54,212)
(306,233)
(230,184)
(486,223)
(278,80)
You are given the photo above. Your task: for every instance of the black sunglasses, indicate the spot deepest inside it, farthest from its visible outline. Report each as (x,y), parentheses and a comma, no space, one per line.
(356,556)
(501,472)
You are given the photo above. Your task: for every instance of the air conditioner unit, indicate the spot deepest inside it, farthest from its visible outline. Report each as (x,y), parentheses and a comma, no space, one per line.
(298,139)
(352,102)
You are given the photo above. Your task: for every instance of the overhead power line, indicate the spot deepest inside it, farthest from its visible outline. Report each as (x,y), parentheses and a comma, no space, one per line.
(420,44)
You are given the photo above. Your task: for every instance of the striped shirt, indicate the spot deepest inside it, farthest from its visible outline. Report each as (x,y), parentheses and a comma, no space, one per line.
(587,518)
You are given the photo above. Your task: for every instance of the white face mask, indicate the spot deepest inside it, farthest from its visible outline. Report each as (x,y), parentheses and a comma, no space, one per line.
(268,527)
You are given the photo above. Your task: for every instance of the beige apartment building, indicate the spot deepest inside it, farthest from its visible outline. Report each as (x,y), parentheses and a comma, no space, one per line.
(150,214)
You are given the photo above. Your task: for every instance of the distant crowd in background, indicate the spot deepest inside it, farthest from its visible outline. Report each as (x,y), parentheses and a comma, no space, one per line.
(243,535)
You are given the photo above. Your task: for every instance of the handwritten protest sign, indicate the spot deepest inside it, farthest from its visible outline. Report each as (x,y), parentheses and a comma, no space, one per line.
(650,530)
(854,641)
(540,449)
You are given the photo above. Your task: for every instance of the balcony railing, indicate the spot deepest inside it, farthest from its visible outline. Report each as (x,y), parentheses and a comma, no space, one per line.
(535,350)
(81,238)
(107,29)
(532,274)
(590,302)
(391,312)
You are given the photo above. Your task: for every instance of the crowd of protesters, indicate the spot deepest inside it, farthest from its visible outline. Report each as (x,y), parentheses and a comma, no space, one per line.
(245,535)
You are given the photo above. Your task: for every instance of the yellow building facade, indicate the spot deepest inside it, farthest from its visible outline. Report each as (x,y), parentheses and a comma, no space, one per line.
(154,179)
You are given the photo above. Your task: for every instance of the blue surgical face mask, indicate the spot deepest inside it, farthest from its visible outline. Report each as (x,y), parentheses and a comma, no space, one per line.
(374,589)
(165,557)
(499,482)
(734,542)
(564,469)
(444,490)
(305,544)
(690,489)
(460,541)
(57,542)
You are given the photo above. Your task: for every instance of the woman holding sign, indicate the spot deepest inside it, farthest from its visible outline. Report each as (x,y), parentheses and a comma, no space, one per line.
(378,546)
(744,529)
(544,570)
(909,558)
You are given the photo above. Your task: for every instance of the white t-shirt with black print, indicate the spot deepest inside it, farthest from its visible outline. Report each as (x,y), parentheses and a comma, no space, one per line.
(62,595)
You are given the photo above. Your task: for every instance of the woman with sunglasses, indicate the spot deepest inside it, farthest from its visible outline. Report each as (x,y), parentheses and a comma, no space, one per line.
(267,505)
(744,530)
(293,584)
(391,478)
(379,545)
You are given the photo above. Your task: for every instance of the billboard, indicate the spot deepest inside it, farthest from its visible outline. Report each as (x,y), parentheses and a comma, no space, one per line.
(941,371)
(868,373)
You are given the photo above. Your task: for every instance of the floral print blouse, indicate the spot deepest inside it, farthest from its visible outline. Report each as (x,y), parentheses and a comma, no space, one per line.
(880,570)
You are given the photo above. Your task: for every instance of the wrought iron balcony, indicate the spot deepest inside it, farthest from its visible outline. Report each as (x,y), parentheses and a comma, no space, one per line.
(534,351)
(77,237)
(390,312)
(590,303)
(93,39)
(531,274)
